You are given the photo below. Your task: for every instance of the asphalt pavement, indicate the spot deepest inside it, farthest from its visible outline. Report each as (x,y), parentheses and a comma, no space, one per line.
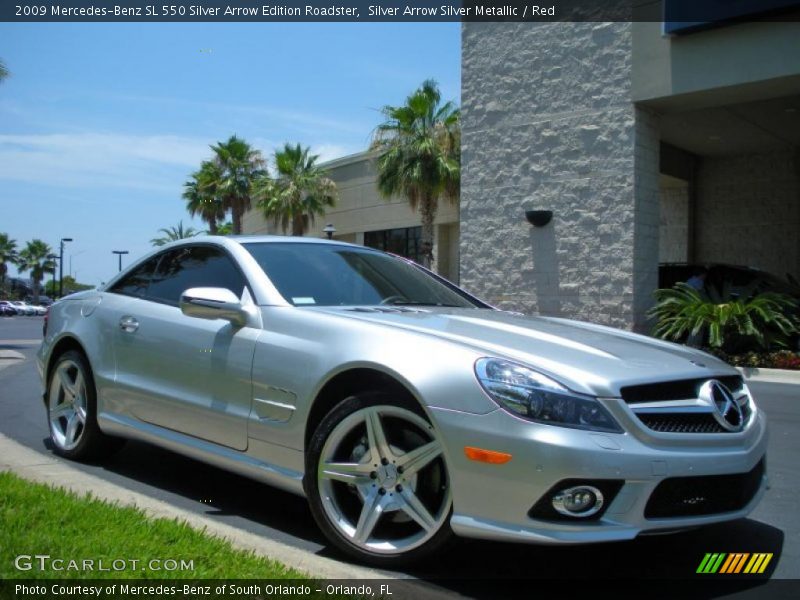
(472,568)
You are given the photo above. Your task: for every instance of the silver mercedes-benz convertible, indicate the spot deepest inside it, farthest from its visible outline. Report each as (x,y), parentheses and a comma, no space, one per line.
(402,407)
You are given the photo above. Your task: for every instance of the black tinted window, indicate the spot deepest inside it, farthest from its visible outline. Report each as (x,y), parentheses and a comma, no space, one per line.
(197,266)
(135,283)
(332,275)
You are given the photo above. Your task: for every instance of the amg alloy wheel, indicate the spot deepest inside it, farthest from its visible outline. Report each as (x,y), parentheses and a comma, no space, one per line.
(72,410)
(378,482)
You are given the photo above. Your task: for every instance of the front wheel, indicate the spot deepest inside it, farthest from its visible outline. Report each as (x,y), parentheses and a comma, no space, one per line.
(377,481)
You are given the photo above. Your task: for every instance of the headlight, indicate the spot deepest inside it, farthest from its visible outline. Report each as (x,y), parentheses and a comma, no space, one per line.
(531,395)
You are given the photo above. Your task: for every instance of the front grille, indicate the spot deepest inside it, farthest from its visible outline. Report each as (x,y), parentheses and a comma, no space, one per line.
(708,495)
(681,422)
(674,390)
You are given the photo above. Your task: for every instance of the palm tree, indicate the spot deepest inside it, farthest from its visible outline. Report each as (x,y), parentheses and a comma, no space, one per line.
(34,258)
(3,70)
(225,228)
(240,166)
(202,197)
(8,254)
(419,155)
(300,191)
(172,234)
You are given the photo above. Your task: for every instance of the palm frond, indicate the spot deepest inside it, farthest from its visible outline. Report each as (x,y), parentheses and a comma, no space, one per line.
(300,191)
(727,321)
(173,234)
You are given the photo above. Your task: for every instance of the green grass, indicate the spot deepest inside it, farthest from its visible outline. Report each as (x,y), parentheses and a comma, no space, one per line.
(37,519)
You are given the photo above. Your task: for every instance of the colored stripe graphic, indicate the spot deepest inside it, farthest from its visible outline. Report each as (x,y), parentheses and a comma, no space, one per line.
(733,563)
(759,562)
(703,563)
(711,562)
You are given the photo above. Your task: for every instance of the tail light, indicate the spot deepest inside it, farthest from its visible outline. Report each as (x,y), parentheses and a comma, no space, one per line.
(44,325)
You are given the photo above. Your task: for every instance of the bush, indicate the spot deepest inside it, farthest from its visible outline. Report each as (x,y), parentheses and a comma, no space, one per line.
(782,359)
(733,325)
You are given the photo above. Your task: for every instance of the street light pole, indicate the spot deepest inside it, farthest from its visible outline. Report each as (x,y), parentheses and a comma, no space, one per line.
(119,253)
(61,267)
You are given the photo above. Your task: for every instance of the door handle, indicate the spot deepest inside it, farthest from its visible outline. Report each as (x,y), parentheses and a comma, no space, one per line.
(128,324)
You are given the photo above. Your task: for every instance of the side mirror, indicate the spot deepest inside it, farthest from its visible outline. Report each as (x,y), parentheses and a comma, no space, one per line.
(213,303)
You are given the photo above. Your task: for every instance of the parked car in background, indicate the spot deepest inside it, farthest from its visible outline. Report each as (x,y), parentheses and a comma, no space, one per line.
(739,278)
(403,408)
(23,308)
(6,309)
(42,301)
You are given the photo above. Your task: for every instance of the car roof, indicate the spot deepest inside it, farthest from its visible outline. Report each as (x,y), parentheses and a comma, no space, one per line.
(292,239)
(264,290)
(239,240)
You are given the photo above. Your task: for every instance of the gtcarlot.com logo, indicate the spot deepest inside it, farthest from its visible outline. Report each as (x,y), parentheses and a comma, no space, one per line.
(734,563)
(45,562)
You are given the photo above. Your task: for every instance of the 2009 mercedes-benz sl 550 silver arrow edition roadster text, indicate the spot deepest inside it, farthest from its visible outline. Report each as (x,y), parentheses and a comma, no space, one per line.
(403,408)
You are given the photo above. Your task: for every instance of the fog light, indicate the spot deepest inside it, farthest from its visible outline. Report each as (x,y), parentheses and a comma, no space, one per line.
(580,501)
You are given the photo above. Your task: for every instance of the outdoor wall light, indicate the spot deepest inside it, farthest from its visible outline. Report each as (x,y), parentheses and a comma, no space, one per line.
(539,218)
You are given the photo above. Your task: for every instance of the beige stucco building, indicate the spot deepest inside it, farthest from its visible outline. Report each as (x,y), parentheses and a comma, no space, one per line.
(363,216)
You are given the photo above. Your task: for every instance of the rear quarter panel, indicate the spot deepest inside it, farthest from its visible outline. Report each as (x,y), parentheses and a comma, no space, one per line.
(81,318)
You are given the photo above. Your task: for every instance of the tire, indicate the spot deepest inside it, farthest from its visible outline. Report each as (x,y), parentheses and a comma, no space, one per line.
(387,501)
(72,411)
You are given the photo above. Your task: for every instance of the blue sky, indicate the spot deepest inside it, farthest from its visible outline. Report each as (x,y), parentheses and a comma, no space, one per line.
(100,124)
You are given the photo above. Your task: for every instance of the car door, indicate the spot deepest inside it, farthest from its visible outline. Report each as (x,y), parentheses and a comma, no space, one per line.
(183,373)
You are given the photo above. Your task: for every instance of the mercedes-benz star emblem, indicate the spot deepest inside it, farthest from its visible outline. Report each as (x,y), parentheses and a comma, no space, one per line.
(727,411)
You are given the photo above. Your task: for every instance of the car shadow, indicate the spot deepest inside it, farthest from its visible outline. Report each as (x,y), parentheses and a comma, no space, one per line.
(481,569)
(473,568)
(213,491)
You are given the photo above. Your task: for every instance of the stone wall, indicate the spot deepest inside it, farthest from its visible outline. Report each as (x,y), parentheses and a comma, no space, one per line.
(749,211)
(548,123)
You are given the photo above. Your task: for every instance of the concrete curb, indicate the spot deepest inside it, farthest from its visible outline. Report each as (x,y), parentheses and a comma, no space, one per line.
(10,357)
(42,468)
(769,375)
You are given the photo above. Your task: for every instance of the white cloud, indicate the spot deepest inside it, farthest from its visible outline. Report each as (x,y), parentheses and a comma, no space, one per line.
(155,163)
(330,151)
(292,118)
(89,159)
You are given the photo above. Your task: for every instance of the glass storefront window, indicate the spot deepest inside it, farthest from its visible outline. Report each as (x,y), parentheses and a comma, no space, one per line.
(403,242)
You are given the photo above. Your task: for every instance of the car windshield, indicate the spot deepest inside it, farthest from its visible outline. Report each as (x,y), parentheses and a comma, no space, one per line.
(308,274)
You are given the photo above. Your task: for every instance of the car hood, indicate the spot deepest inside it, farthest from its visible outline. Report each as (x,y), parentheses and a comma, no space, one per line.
(585,357)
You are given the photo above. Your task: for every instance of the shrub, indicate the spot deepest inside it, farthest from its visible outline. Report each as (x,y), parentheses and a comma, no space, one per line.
(733,325)
(782,359)
(786,360)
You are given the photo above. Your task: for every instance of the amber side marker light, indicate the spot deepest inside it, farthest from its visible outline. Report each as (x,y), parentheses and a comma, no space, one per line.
(488,456)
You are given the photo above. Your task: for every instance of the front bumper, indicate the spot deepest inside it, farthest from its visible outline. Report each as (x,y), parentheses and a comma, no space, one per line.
(493,501)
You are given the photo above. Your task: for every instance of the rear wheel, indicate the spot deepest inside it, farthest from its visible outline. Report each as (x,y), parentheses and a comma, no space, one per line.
(377,481)
(72,411)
